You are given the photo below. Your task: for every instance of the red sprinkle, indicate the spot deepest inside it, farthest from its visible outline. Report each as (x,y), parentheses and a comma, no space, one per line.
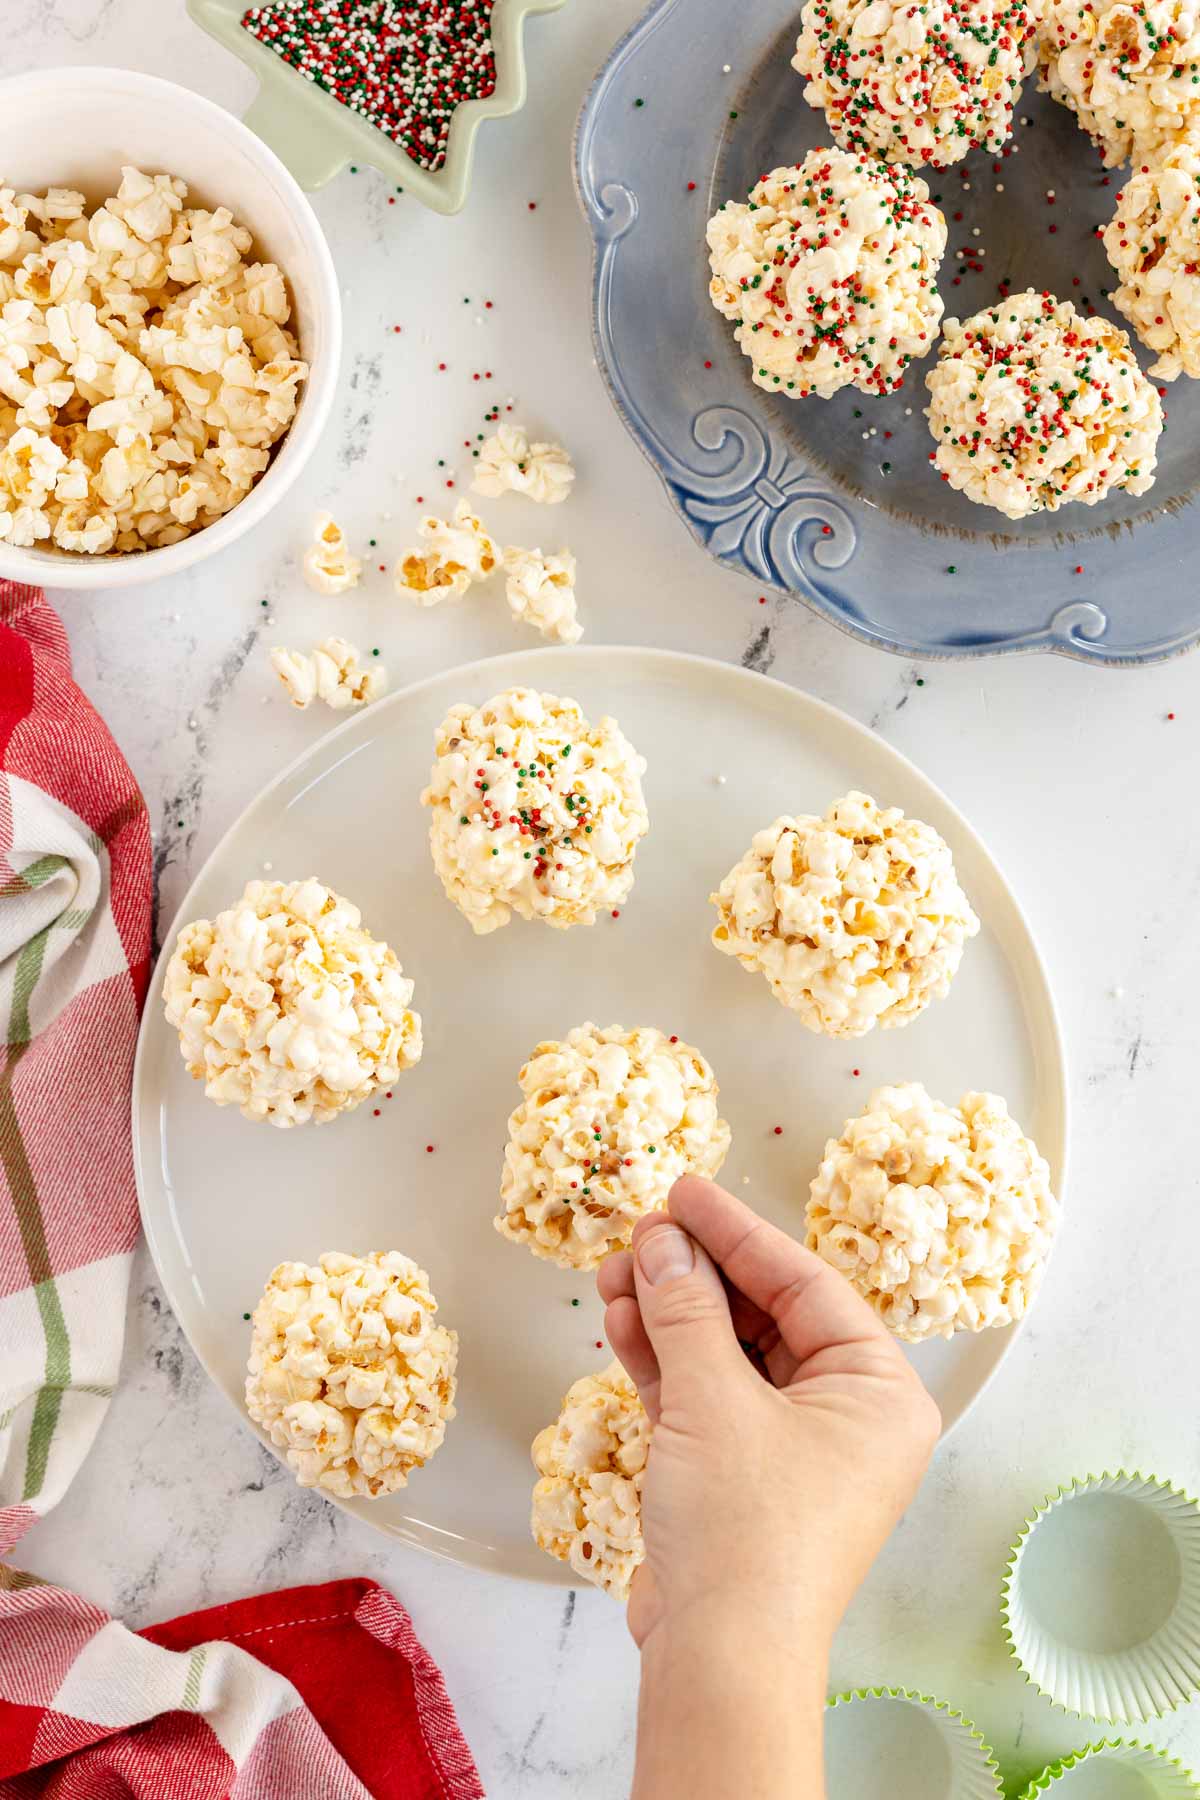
(856,1071)
(376,1112)
(708,365)
(533,206)
(1170,715)
(429,1149)
(779,1131)
(691,187)
(616,913)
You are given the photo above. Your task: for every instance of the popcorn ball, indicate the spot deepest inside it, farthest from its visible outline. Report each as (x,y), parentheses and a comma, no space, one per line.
(587,1502)
(350,1376)
(328,564)
(856,919)
(456,555)
(332,674)
(941,1217)
(146,368)
(830,272)
(1125,70)
(1033,406)
(610,1120)
(534,810)
(915,84)
(541,592)
(287,1008)
(1153,243)
(509,464)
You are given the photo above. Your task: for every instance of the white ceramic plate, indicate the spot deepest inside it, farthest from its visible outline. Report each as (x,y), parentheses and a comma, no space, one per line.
(223,1200)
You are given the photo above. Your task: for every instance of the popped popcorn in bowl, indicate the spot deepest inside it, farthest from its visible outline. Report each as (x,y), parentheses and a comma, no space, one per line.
(350,1374)
(147,367)
(941,1217)
(591,1463)
(610,1120)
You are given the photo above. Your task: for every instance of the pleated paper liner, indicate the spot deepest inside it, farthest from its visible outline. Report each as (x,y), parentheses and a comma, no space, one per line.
(1115,1770)
(1102,1598)
(891,1744)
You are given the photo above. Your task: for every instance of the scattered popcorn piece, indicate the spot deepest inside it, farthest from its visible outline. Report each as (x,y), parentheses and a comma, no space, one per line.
(287,1008)
(856,919)
(458,554)
(609,1121)
(350,1376)
(328,564)
(541,592)
(534,810)
(941,1217)
(1032,406)
(510,464)
(332,674)
(813,315)
(587,1503)
(1153,243)
(1124,71)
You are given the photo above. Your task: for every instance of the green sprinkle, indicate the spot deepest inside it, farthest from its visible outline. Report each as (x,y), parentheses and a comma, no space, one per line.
(639,103)
(573,1303)
(245,1315)
(952,569)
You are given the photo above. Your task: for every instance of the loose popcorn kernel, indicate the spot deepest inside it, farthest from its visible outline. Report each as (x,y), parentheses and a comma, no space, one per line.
(830,272)
(1153,243)
(458,555)
(941,1217)
(349,1374)
(916,84)
(1033,406)
(587,1504)
(287,1007)
(509,464)
(856,919)
(328,564)
(332,674)
(1124,71)
(609,1121)
(534,810)
(541,592)
(146,367)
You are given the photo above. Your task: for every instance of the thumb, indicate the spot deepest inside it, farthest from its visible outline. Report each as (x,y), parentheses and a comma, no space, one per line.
(684,1308)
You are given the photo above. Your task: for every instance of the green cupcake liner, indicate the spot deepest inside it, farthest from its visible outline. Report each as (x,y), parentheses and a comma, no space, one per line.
(910,1746)
(1116,1769)
(1101,1598)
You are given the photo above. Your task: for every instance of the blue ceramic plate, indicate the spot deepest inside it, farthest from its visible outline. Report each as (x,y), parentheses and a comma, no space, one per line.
(835,501)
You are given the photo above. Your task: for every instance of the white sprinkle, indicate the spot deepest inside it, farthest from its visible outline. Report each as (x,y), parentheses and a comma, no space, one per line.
(1049,193)
(725,68)
(874,433)
(1118,993)
(908,412)
(866,434)
(999,187)
(174,618)
(192,725)
(267,867)
(1025,121)
(1015,148)
(399,475)
(745,1181)
(966,187)
(720,780)
(974,231)
(385,516)
(270,619)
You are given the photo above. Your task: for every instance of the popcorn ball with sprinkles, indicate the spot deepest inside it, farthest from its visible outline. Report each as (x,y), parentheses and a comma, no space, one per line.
(1153,243)
(830,272)
(1126,71)
(534,810)
(916,84)
(403,66)
(1033,406)
(610,1120)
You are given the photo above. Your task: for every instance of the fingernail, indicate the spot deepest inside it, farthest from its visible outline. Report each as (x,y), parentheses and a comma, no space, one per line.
(665,1255)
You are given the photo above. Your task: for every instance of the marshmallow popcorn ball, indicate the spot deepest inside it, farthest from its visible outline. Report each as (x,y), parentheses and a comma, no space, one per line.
(1153,243)
(941,1217)
(146,367)
(1032,406)
(856,919)
(587,1501)
(1125,70)
(350,1375)
(830,272)
(915,84)
(287,1008)
(534,810)
(609,1122)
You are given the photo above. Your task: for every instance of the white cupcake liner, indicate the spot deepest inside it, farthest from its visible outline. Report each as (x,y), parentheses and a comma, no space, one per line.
(1109,1630)
(1102,1772)
(884,1740)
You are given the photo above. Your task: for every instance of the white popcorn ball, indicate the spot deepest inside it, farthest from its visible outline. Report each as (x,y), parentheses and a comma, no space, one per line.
(350,1375)
(328,564)
(830,273)
(587,1502)
(1153,243)
(541,592)
(1124,70)
(856,919)
(509,464)
(332,674)
(287,1007)
(455,556)
(1033,406)
(610,1120)
(941,1217)
(534,810)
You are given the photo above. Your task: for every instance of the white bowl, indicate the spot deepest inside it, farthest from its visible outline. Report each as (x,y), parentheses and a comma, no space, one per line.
(75,128)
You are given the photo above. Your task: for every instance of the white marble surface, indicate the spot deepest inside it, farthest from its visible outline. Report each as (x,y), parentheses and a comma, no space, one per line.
(1080,783)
